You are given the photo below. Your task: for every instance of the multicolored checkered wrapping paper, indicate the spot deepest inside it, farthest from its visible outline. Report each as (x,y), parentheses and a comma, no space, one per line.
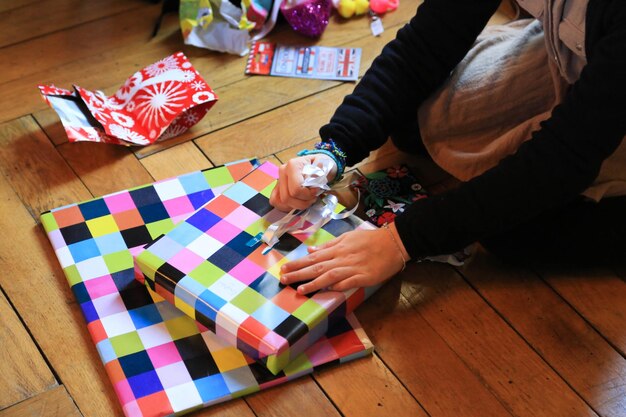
(210,267)
(160,361)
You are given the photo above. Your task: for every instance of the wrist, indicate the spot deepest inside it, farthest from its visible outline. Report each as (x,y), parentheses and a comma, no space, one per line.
(392,232)
(331,150)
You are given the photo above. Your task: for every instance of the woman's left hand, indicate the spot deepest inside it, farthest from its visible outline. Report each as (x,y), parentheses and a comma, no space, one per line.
(359,258)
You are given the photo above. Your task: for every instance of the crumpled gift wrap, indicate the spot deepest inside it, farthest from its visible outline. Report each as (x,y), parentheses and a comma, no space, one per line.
(158,102)
(160,361)
(214,267)
(220,25)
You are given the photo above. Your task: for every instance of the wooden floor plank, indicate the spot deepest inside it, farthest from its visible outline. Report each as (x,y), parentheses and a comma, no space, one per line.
(23,371)
(261,96)
(36,285)
(104,168)
(220,70)
(258,136)
(53,403)
(267,93)
(421,359)
(598,295)
(34,168)
(175,161)
(6,5)
(76,59)
(48,16)
(81,44)
(519,377)
(300,397)
(380,393)
(563,339)
(235,408)
(423,324)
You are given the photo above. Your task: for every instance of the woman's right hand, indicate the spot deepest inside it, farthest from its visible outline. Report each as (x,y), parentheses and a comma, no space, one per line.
(289,192)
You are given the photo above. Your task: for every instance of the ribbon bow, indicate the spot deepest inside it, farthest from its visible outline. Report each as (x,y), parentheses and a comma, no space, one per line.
(320,213)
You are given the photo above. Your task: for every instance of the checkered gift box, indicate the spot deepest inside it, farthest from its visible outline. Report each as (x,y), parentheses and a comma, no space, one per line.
(160,361)
(209,267)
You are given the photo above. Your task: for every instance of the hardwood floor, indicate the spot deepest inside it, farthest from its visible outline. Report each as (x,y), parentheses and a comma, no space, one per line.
(483,340)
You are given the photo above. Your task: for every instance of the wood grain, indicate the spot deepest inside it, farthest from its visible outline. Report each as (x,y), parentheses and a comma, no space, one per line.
(23,371)
(366,387)
(598,295)
(420,358)
(36,285)
(40,176)
(219,71)
(53,403)
(45,17)
(555,331)
(301,396)
(258,136)
(104,168)
(6,5)
(76,43)
(494,341)
(494,351)
(178,160)
(235,408)
(267,93)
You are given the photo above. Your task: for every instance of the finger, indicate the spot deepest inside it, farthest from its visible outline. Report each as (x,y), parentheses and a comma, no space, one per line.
(293,172)
(289,269)
(328,279)
(355,281)
(306,273)
(282,185)
(276,201)
(300,192)
(326,245)
(287,202)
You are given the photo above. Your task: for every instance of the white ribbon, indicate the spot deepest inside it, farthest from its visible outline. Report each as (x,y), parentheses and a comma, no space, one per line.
(320,213)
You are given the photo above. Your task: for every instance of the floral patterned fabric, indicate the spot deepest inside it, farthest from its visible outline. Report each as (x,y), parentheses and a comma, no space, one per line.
(158,102)
(387,193)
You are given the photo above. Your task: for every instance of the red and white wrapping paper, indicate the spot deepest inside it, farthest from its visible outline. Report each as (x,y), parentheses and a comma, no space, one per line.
(158,102)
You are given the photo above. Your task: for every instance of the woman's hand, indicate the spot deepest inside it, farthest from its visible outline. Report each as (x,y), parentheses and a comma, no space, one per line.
(289,192)
(359,258)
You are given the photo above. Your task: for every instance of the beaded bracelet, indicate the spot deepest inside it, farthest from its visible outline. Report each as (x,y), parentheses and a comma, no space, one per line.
(330,149)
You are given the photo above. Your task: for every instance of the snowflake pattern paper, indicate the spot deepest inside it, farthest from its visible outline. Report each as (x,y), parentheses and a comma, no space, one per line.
(159,102)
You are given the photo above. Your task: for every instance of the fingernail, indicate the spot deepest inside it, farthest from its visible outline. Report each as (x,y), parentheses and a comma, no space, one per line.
(283,268)
(283,280)
(301,289)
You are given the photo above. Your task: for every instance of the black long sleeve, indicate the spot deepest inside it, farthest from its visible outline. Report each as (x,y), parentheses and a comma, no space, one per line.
(560,160)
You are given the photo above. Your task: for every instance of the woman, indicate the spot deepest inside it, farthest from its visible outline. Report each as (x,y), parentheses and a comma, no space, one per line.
(531,116)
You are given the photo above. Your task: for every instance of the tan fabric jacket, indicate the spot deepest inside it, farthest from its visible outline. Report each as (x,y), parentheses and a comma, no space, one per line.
(563,24)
